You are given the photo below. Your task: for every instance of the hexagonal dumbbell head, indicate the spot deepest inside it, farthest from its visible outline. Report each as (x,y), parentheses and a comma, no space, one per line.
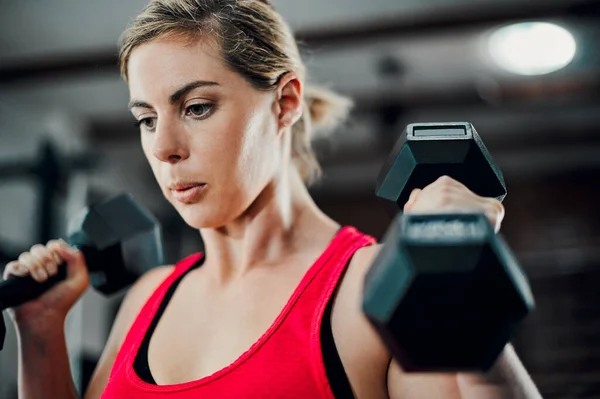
(445,293)
(120,241)
(427,151)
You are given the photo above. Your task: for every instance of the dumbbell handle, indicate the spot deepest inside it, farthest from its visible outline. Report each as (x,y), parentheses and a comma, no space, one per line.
(17,290)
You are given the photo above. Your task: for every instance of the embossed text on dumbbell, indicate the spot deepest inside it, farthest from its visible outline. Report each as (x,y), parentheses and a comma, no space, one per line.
(445,228)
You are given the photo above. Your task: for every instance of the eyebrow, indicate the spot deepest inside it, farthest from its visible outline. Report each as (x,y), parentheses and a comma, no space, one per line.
(173,98)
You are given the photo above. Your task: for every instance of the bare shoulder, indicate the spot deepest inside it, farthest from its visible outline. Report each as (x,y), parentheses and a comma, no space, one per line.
(140,291)
(364,257)
(363,354)
(136,297)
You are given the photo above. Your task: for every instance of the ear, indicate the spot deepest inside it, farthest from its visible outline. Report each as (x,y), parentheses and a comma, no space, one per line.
(288,96)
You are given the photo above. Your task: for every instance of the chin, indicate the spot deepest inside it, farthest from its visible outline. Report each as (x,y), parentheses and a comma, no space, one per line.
(200,216)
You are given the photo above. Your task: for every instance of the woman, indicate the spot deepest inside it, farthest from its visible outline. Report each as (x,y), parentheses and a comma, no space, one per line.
(218,90)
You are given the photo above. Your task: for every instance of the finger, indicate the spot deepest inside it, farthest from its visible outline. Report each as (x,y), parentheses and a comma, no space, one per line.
(51,245)
(448,181)
(44,256)
(14,268)
(75,263)
(37,271)
(495,213)
(412,198)
(61,250)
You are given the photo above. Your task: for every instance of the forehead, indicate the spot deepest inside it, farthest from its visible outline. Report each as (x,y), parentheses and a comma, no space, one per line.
(165,63)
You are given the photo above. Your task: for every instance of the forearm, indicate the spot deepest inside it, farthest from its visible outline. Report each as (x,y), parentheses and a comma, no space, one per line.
(44,370)
(507,379)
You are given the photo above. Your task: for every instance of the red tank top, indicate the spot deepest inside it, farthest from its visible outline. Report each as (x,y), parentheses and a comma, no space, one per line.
(285,362)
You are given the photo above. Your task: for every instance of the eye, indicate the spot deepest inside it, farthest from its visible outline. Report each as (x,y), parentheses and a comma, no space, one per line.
(147,123)
(199,111)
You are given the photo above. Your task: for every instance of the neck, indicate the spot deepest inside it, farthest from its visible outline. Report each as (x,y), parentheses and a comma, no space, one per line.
(282,219)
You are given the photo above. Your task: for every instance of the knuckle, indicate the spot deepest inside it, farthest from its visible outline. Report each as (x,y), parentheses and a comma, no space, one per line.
(40,254)
(33,266)
(39,248)
(496,206)
(446,191)
(444,198)
(11,264)
(24,258)
(446,180)
(54,245)
(445,187)
(49,260)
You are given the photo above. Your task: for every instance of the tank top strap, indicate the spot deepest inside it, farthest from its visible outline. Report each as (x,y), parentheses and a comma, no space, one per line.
(148,311)
(322,289)
(342,250)
(322,277)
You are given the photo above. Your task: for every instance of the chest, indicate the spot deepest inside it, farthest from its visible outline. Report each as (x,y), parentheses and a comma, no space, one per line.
(206,330)
(200,334)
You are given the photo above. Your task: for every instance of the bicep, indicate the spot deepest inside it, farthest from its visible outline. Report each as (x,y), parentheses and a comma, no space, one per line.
(368,359)
(403,385)
(102,372)
(135,299)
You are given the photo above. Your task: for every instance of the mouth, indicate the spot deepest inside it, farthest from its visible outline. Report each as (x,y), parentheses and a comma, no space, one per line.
(182,187)
(188,192)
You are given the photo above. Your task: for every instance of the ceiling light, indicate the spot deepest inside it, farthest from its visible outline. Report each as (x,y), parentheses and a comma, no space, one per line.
(532,48)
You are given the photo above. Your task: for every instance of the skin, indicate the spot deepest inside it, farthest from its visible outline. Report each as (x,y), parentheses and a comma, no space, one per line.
(262,232)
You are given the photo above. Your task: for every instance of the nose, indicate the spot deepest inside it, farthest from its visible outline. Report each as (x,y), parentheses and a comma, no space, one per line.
(169,144)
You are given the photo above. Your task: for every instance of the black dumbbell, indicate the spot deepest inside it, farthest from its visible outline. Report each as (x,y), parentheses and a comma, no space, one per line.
(119,239)
(445,293)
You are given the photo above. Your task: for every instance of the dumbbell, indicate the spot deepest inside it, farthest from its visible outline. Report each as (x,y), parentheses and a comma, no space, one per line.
(445,293)
(119,239)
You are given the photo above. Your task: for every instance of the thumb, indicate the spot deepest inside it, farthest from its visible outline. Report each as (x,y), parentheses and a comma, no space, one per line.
(413,197)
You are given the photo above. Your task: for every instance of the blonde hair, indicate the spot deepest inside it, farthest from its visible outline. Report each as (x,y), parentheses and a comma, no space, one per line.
(255,42)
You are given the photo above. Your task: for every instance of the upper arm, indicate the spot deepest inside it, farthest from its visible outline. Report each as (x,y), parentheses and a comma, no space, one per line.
(362,352)
(507,378)
(402,385)
(134,300)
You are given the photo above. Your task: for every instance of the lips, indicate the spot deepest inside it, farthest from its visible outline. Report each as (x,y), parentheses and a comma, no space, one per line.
(185,186)
(187,192)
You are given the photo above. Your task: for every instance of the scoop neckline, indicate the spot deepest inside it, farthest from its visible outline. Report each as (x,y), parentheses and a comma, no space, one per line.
(310,274)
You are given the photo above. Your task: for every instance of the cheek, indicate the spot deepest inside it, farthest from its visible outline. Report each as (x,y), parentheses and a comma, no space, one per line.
(147,148)
(259,152)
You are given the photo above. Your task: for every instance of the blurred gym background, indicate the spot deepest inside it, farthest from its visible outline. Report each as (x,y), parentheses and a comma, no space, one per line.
(525,73)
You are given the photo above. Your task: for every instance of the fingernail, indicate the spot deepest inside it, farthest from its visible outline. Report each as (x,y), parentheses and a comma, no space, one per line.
(51,268)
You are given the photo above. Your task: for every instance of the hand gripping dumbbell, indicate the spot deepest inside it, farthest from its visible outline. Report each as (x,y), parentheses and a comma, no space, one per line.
(445,292)
(119,239)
